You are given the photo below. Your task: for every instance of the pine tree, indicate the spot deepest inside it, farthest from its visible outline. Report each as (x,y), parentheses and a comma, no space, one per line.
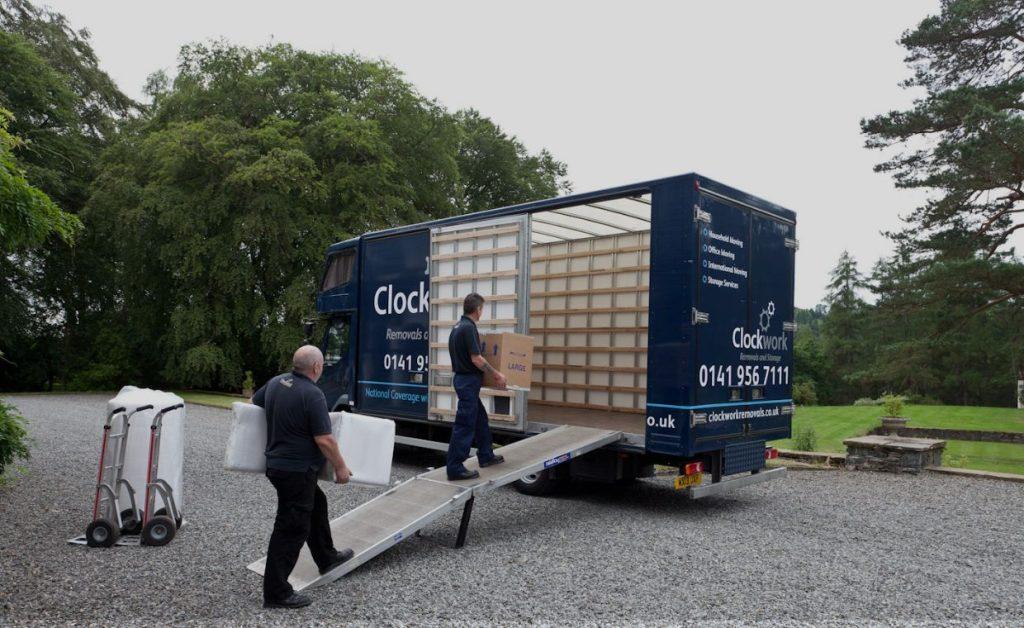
(963,141)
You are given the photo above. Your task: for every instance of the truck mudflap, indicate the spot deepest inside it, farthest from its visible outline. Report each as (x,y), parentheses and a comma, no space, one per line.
(739,481)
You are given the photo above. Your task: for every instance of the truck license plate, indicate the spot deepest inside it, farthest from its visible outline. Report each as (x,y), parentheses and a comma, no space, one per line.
(686,481)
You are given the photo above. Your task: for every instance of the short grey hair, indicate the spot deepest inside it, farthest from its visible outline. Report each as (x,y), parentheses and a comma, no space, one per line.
(306,358)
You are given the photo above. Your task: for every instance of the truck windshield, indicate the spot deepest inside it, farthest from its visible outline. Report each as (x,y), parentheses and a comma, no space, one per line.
(339,270)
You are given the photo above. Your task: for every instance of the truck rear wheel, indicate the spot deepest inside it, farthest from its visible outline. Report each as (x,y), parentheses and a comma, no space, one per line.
(539,484)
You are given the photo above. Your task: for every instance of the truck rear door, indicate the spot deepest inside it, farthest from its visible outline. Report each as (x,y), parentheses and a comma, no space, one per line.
(490,258)
(742,324)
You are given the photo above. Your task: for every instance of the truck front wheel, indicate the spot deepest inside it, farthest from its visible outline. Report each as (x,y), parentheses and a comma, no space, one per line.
(539,484)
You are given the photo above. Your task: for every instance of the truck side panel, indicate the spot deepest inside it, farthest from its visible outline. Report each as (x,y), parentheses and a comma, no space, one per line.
(669,345)
(393,325)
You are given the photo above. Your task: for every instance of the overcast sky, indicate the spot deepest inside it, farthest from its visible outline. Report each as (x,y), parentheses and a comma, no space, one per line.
(762,96)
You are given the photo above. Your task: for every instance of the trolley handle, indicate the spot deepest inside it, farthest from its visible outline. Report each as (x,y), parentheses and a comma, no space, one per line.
(158,419)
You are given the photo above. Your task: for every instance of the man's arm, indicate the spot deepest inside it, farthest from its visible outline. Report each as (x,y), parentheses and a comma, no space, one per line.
(329,447)
(485,366)
(479,361)
(320,427)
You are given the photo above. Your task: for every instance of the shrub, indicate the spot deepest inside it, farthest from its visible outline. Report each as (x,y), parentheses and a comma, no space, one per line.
(249,385)
(922,400)
(805,394)
(892,405)
(805,439)
(13,437)
(867,401)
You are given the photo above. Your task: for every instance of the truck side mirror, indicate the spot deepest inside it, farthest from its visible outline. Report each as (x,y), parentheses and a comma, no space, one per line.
(307,330)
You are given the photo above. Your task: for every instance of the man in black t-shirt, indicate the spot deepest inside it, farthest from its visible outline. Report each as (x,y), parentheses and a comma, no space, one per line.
(470,416)
(299,443)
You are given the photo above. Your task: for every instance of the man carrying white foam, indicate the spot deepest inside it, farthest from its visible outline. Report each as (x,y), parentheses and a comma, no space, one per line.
(299,442)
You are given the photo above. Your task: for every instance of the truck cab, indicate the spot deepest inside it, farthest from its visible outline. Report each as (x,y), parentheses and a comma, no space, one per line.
(337,303)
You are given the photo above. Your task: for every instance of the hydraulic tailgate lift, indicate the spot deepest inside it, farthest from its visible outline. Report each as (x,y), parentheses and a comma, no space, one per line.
(402,511)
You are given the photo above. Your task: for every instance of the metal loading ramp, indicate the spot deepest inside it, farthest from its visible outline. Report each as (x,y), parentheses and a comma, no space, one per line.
(400,512)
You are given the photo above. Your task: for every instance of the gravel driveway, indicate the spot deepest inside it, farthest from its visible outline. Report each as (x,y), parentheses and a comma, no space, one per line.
(821,547)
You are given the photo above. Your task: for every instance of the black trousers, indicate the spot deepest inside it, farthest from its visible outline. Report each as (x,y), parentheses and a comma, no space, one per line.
(301,518)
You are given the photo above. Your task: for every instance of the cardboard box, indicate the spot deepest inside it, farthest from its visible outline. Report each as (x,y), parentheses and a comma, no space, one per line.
(510,354)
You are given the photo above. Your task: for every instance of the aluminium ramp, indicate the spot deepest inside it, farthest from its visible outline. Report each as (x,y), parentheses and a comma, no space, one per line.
(401,511)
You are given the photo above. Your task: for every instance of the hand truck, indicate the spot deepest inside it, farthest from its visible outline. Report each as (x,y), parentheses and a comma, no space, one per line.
(159,527)
(109,520)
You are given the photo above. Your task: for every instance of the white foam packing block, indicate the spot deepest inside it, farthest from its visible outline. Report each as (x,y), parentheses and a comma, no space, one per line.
(367,444)
(248,439)
(172,443)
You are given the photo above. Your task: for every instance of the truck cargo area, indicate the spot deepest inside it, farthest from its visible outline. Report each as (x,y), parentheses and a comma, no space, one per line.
(585,271)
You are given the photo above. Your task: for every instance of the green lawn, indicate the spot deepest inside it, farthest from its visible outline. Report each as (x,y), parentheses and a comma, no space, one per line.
(210,399)
(832,424)
(968,454)
(966,418)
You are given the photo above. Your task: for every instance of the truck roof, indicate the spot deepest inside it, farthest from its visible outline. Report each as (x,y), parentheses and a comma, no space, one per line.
(632,189)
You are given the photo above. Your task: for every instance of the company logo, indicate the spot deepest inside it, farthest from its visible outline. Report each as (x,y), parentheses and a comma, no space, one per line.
(387,301)
(557,461)
(759,339)
(766,316)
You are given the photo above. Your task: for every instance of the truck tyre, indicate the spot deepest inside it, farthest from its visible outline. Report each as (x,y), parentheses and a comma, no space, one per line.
(100,533)
(158,531)
(539,484)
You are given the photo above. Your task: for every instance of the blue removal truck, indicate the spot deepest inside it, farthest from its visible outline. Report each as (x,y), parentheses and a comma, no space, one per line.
(662,309)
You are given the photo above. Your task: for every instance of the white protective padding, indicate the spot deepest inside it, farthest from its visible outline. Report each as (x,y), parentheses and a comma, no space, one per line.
(367,444)
(172,444)
(248,439)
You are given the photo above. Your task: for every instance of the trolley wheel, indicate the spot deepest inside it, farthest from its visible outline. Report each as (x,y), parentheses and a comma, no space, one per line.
(163,512)
(158,531)
(100,533)
(129,523)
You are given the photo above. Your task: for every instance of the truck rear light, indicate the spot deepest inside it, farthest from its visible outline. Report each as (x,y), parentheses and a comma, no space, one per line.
(770,453)
(693,468)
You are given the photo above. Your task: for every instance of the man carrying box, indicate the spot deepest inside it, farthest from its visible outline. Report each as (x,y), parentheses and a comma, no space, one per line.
(469,365)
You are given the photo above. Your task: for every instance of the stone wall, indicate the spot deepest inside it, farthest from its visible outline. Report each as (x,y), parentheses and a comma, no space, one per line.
(894,454)
(975,435)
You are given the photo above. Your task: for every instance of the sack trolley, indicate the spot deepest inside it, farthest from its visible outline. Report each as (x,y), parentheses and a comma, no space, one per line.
(160,526)
(110,521)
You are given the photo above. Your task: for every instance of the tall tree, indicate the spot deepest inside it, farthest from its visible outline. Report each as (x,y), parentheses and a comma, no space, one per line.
(844,327)
(222,198)
(964,140)
(64,110)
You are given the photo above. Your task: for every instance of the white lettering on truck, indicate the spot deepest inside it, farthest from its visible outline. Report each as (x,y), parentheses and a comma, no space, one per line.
(387,301)
(742,339)
(665,421)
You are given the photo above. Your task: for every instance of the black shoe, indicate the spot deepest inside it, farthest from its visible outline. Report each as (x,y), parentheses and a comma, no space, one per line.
(295,600)
(338,559)
(465,475)
(497,459)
